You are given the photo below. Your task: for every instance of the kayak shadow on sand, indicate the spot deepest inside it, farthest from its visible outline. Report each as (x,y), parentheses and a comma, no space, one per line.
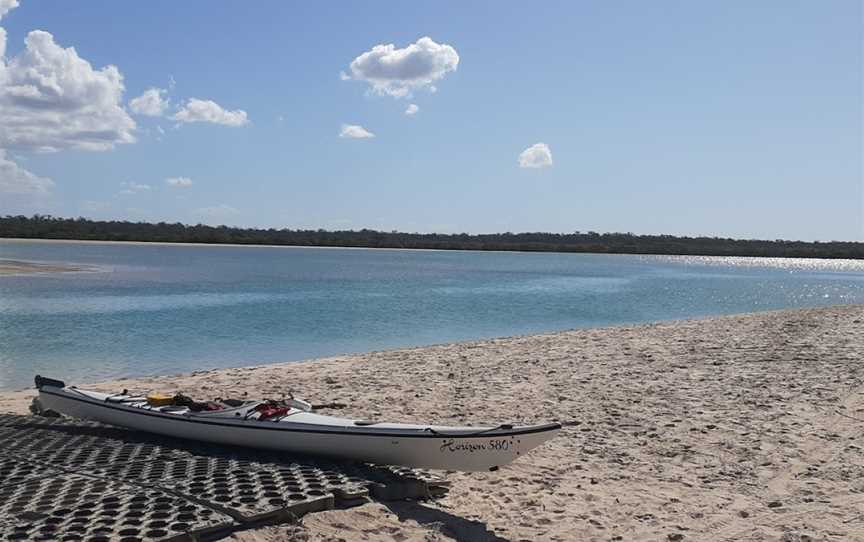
(461,529)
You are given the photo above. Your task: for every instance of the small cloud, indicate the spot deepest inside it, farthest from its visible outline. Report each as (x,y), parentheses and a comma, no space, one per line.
(152,103)
(197,110)
(412,109)
(398,72)
(132,187)
(537,156)
(355,131)
(280,119)
(6,6)
(217,211)
(178,182)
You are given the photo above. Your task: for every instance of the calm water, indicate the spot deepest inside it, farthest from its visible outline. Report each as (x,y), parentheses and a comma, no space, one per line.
(165,309)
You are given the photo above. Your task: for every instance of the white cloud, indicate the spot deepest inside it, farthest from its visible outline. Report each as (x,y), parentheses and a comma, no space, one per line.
(152,103)
(217,211)
(18,181)
(6,6)
(538,155)
(197,110)
(178,182)
(131,187)
(354,131)
(398,72)
(2,55)
(52,99)
(412,109)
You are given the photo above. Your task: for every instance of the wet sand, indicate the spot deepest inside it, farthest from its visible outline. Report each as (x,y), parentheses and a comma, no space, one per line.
(734,428)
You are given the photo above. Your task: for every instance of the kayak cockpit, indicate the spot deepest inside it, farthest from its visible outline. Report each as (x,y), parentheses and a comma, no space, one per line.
(245,410)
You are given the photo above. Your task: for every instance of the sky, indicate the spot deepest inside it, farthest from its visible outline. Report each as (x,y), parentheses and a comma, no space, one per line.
(739,119)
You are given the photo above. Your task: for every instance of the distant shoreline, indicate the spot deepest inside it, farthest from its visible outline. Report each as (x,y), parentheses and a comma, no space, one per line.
(409,249)
(247,245)
(590,242)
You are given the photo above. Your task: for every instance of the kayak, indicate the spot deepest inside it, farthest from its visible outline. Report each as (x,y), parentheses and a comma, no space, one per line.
(295,428)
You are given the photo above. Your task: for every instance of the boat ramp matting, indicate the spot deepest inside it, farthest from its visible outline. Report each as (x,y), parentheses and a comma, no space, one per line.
(63,479)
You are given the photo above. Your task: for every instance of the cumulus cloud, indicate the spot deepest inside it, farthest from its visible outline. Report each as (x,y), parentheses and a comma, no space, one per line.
(538,155)
(6,6)
(152,103)
(178,182)
(412,109)
(52,99)
(16,180)
(197,110)
(131,187)
(355,131)
(398,72)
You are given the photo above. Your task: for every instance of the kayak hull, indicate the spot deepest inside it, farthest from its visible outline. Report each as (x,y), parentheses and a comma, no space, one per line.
(433,447)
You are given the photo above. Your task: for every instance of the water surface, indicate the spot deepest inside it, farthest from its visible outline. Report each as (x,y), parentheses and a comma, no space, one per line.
(157,309)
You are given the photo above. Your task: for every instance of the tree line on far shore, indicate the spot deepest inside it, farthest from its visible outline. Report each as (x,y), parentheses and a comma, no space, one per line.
(49,227)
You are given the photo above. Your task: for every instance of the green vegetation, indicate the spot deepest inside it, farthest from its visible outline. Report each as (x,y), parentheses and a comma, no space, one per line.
(48,227)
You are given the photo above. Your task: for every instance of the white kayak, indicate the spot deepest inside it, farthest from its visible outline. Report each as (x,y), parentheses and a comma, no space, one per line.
(302,431)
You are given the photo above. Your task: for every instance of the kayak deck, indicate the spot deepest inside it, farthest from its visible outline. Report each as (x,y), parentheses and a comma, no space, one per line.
(294,416)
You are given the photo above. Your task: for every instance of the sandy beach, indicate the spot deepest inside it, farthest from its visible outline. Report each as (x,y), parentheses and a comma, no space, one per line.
(733,428)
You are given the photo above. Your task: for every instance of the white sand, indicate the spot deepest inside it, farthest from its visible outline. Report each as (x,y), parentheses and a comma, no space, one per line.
(734,428)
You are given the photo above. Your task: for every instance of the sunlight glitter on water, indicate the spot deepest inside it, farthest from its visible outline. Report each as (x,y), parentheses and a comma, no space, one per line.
(792,264)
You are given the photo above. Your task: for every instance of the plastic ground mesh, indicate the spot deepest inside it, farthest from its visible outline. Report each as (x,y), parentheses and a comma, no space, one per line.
(72,480)
(14,472)
(64,442)
(67,506)
(252,489)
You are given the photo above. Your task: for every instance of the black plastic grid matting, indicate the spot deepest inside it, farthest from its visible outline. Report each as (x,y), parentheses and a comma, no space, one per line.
(74,443)
(176,484)
(64,506)
(14,471)
(252,489)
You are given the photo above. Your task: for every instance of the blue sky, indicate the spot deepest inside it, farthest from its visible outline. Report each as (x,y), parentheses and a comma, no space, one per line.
(736,119)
